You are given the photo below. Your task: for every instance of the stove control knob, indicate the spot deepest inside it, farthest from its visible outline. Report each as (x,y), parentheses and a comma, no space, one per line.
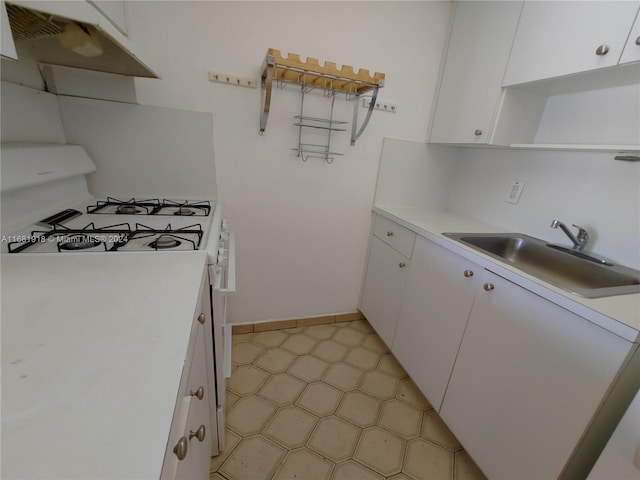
(202,318)
(181,448)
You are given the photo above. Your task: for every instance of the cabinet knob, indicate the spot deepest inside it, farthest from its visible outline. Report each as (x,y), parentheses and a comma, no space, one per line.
(202,318)
(199,434)
(602,50)
(181,448)
(402,264)
(478,132)
(199,393)
(638,41)
(468,273)
(389,233)
(488,287)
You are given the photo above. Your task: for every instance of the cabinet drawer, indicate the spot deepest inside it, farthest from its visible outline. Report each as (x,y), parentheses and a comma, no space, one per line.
(394,235)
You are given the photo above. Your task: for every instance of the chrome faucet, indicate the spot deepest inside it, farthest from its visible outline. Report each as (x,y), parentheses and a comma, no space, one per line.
(579,241)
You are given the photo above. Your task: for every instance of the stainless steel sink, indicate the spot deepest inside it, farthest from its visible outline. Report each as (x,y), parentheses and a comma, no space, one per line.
(577,272)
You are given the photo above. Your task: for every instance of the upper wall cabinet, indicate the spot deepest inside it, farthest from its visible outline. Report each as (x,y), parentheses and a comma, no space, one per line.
(560,38)
(631,52)
(8,47)
(477,55)
(80,34)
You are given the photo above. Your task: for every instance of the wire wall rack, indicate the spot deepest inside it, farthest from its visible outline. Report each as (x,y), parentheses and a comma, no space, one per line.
(279,71)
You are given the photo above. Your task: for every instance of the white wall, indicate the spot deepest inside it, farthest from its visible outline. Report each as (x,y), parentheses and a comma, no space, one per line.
(301,228)
(584,188)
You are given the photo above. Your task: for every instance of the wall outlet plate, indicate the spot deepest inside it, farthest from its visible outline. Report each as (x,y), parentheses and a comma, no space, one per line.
(229,79)
(380,105)
(515,191)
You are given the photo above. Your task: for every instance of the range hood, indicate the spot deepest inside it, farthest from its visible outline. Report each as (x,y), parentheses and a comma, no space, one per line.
(72,34)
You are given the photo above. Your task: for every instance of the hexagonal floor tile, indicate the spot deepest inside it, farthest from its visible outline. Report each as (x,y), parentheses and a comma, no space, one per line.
(334,438)
(255,458)
(362,326)
(362,358)
(299,344)
(426,461)
(231,439)
(348,337)
(380,450)
(282,389)
(343,376)
(275,360)
(319,399)
(409,392)
(249,415)
(401,418)
(435,430)
(466,468)
(330,351)
(244,353)
(354,471)
(290,426)
(374,343)
(379,384)
(229,400)
(303,464)
(246,379)
(271,338)
(321,332)
(359,408)
(389,364)
(241,338)
(308,368)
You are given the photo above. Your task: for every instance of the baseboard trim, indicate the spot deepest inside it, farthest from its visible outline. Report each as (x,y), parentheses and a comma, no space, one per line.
(296,322)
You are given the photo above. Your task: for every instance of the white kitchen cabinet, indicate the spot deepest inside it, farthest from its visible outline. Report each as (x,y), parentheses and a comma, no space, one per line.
(6,43)
(527,381)
(114,11)
(631,52)
(470,88)
(193,430)
(560,38)
(386,276)
(438,297)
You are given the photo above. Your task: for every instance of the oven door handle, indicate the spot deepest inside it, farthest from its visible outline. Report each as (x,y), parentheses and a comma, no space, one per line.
(231,267)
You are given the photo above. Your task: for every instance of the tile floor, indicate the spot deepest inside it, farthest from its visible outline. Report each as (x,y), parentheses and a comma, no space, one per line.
(330,402)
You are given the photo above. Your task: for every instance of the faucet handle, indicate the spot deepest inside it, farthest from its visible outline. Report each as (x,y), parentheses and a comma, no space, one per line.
(583,235)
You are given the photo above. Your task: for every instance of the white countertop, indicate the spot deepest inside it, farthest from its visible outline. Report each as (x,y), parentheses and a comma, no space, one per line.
(619,314)
(93,347)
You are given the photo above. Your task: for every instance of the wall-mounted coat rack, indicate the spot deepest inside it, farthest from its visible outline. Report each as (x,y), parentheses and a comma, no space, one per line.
(311,75)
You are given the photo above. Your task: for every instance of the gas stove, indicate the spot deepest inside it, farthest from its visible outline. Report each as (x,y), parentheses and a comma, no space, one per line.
(114,225)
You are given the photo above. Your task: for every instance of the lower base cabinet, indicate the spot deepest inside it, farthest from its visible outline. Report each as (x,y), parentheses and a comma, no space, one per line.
(383,288)
(528,379)
(438,296)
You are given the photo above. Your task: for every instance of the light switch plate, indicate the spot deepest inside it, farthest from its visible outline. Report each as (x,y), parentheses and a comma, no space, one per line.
(515,191)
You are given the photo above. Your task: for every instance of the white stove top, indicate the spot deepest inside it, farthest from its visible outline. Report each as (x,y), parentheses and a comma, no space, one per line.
(146,225)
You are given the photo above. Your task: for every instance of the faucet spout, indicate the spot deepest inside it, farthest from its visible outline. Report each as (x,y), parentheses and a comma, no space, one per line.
(579,241)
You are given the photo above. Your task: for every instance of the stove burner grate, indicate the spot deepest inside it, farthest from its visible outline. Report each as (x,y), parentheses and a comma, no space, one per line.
(125,207)
(79,242)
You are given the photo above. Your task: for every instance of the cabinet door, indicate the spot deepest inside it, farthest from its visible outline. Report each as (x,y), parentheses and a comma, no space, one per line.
(7,45)
(383,288)
(528,379)
(438,297)
(562,37)
(631,52)
(471,82)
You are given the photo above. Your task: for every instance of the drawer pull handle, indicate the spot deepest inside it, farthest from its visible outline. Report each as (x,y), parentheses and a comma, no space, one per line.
(402,264)
(478,132)
(199,393)
(488,287)
(389,233)
(602,50)
(202,318)
(181,448)
(468,273)
(199,434)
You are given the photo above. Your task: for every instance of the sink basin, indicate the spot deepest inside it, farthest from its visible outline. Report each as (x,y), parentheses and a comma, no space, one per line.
(577,272)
